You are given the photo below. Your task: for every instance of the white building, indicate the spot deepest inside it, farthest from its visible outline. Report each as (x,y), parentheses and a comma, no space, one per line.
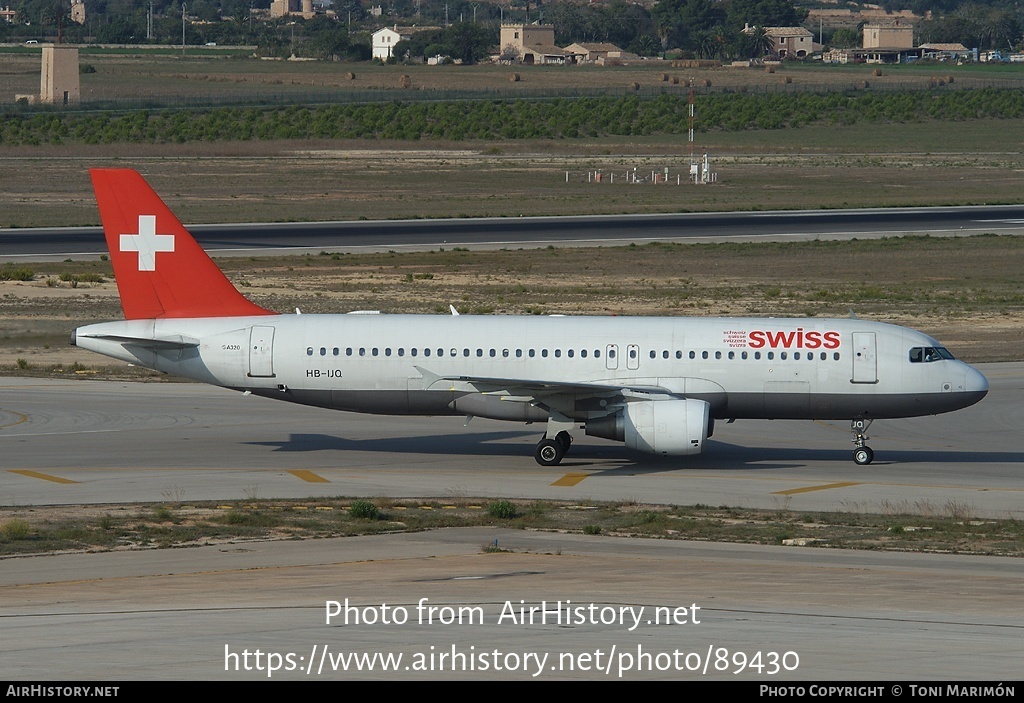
(384,39)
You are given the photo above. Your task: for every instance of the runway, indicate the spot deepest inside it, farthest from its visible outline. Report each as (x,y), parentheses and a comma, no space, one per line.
(735,612)
(412,235)
(79,441)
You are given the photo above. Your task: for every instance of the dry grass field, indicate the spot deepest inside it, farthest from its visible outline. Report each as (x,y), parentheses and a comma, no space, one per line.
(193,78)
(808,168)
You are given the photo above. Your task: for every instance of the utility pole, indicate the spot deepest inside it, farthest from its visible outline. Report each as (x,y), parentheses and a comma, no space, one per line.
(182,29)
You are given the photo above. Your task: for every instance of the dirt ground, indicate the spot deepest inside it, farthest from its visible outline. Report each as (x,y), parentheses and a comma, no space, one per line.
(966,292)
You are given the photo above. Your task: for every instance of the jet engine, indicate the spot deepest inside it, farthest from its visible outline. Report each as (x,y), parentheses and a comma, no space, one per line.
(657,426)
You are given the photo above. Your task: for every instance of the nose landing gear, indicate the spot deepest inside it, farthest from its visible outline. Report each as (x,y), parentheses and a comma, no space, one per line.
(862,453)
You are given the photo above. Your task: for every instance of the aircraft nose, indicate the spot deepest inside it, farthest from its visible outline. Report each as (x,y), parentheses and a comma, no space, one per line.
(975,386)
(975,382)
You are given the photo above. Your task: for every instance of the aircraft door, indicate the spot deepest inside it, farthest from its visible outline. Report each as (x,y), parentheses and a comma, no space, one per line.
(632,356)
(611,356)
(865,367)
(261,351)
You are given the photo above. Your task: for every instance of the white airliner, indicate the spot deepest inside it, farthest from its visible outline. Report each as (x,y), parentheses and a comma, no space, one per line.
(657,384)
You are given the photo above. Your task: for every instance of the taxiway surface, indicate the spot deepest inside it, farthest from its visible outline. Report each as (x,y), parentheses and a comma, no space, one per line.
(600,605)
(80,441)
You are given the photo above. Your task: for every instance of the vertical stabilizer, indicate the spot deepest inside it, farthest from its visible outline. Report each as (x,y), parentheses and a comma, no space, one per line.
(161,270)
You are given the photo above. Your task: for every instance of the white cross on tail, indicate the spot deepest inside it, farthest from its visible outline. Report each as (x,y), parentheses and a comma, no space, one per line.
(147,242)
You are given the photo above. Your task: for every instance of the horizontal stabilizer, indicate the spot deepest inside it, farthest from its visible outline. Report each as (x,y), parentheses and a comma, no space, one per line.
(177,341)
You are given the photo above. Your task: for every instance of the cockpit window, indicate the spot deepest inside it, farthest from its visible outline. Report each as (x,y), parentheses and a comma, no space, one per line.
(925,355)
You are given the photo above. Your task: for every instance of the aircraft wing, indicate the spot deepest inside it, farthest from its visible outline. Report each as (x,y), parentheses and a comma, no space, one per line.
(540,389)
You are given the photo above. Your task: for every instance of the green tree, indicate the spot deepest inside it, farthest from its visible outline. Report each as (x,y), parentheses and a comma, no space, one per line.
(468,41)
(764,13)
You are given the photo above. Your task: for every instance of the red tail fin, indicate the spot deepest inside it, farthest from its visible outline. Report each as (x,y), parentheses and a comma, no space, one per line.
(160,269)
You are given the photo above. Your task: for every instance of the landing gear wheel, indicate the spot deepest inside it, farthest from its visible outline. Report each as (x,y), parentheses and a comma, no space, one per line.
(863,456)
(565,439)
(549,452)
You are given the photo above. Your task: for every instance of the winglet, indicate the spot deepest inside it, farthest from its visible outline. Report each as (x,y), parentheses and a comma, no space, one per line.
(161,270)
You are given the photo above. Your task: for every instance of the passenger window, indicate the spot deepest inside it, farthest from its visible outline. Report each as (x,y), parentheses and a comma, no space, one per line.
(782,356)
(611,353)
(362,351)
(401,351)
(374,351)
(597,354)
(743,355)
(491,353)
(387,351)
(558,353)
(693,355)
(654,354)
(544,353)
(704,355)
(836,356)
(718,355)
(519,353)
(664,354)
(732,355)
(348,351)
(323,351)
(479,352)
(583,353)
(757,355)
(771,355)
(570,353)
(413,351)
(531,353)
(309,351)
(796,356)
(679,354)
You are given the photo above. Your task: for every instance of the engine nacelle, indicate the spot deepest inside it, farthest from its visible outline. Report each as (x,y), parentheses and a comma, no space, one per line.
(674,427)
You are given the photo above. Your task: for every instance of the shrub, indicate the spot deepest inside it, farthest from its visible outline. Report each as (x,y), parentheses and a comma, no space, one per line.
(502,509)
(15,529)
(12,273)
(364,510)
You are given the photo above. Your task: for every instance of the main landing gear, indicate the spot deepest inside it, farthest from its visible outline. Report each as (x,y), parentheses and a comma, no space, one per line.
(862,453)
(549,452)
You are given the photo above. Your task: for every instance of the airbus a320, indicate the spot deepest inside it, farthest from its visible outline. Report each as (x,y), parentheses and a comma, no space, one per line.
(655,383)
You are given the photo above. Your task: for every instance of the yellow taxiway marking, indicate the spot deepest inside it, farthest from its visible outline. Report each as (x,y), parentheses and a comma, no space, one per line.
(570,479)
(20,418)
(809,489)
(45,477)
(308,476)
